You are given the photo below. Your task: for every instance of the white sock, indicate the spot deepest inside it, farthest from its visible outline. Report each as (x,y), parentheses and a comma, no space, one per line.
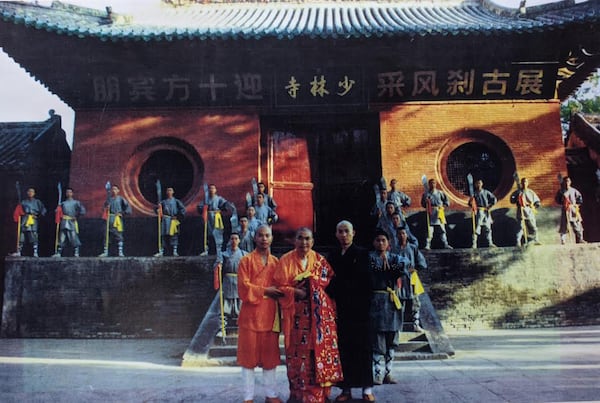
(368,391)
(248,378)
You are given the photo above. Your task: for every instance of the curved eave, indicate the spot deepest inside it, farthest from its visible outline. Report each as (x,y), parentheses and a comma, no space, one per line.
(307,21)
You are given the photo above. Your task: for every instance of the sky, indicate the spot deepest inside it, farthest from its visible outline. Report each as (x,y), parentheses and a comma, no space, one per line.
(23,99)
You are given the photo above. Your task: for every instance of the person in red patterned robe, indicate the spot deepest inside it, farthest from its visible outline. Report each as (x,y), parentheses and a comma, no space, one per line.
(308,321)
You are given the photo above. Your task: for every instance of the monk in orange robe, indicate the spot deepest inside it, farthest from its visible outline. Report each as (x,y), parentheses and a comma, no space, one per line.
(258,323)
(308,320)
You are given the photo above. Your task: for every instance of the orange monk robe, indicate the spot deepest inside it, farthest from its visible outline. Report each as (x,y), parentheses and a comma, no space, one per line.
(258,343)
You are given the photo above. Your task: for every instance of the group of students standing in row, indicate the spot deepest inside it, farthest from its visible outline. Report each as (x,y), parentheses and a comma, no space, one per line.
(389,206)
(340,315)
(171,211)
(261,208)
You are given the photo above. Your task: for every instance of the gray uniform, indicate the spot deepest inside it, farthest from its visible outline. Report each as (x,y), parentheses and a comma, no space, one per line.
(215,228)
(570,217)
(484,200)
(230,261)
(379,206)
(418,262)
(265,214)
(386,224)
(527,202)
(247,241)
(386,318)
(117,208)
(400,199)
(173,211)
(69,227)
(33,209)
(253,224)
(435,201)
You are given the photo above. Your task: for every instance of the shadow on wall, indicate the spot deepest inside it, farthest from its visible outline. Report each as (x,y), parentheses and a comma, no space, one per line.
(504,229)
(575,311)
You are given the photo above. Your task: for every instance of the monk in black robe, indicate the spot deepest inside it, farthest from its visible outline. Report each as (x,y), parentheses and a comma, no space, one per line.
(351,288)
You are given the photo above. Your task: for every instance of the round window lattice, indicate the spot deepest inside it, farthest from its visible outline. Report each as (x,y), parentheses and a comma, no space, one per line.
(476,159)
(481,154)
(172,168)
(172,161)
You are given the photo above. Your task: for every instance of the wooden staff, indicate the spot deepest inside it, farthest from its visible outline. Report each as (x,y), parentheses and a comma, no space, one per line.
(159,195)
(58,217)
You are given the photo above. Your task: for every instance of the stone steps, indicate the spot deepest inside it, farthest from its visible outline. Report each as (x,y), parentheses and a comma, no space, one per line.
(413,346)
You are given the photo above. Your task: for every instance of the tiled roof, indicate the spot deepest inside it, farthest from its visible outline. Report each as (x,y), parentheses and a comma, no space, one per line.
(17,140)
(291,20)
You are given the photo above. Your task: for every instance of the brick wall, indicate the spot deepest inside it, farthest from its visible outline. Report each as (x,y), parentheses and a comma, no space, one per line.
(541,286)
(109,146)
(416,136)
(105,141)
(413,135)
(106,298)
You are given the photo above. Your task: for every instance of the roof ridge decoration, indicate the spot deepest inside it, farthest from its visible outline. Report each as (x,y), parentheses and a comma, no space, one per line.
(322,19)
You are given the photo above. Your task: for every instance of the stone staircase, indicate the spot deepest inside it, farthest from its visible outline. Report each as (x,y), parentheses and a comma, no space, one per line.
(210,348)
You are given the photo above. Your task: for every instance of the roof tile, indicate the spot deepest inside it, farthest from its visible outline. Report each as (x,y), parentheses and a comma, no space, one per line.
(290,20)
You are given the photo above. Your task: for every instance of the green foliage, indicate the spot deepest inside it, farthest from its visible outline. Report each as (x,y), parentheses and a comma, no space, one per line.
(585,100)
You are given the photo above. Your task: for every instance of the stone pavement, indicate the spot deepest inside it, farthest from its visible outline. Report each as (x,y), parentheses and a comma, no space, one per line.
(524,365)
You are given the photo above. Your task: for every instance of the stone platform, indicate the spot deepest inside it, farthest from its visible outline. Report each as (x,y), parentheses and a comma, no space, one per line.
(130,297)
(143,297)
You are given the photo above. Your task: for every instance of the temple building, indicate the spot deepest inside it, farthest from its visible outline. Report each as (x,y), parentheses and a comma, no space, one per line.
(316,99)
(32,154)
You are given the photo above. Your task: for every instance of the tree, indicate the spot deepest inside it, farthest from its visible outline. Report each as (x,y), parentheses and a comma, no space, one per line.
(585,100)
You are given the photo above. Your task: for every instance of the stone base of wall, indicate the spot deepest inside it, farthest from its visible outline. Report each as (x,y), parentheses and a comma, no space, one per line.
(541,286)
(106,297)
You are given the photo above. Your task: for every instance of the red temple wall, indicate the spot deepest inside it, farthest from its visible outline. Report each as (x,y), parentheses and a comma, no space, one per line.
(107,145)
(415,137)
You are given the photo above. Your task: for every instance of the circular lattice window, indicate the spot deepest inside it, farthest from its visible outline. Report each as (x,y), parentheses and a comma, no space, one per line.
(171,161)
(482,155)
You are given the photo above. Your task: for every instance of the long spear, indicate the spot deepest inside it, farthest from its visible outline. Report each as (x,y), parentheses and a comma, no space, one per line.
(222,303)
(107,212)
(427,202)
(473,203)
(520,203)
(19,206)
(159,196)
(205,218)
(58,216)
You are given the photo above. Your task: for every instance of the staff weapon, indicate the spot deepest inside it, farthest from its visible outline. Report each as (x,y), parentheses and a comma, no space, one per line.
(473,203)
(428,202)
(107,187)
(160,213)
(205,218)
(18,186)
(520,202)
(222,303)
(234,218)
(254,188)
(58,216)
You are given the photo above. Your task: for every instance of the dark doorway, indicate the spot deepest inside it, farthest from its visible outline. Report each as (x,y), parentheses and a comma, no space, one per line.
(342,161)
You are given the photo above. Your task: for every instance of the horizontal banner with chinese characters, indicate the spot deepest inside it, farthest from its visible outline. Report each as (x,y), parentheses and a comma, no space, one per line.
(323,87)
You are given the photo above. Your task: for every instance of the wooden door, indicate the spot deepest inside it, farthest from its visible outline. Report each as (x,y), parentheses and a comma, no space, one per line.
(291,181)
(321,169)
